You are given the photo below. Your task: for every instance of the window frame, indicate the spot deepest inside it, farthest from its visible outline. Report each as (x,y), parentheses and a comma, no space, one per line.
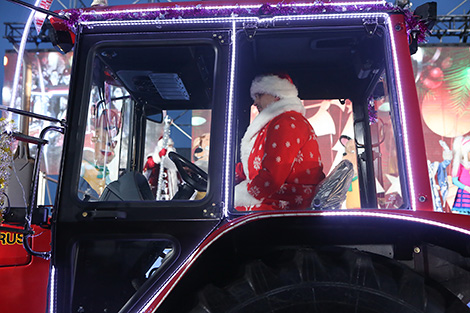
(148,210)
(368,190)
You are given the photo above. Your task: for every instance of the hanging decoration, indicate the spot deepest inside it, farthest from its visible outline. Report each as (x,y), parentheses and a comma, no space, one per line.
(76,16)
(6,159)
(372,110)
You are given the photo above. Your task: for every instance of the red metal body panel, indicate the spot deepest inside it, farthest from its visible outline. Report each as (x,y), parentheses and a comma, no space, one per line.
(12,252)
(28,276)
(454,222)
(417,163)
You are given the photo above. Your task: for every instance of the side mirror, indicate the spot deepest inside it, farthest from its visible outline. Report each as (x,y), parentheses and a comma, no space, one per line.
(426,14)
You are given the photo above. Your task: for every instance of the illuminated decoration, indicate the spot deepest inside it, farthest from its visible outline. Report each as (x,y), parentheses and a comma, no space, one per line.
(52,290)
(6,159)
(178,13)
(230,109)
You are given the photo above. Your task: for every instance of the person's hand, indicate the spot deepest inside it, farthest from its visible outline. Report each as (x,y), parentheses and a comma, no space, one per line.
(467,189)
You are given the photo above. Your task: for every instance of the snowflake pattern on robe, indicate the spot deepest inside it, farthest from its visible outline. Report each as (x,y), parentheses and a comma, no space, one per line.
(282,189)
(283,204)
(257,163)
(255,191)
(308,189)
(282,166)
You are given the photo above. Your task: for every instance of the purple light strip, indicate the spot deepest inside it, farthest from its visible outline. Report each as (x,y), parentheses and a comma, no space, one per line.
(52,290)
(80,16)
(356,5)
(401,103)
(236,19)
(77,16)
(228,146)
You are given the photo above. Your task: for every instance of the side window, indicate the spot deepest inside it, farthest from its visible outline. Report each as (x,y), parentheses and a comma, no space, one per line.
(333,120)
(384,149)
(148,124)
(330,88)
(106,146)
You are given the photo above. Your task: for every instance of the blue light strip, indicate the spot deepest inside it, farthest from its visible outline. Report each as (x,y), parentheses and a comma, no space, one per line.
(228,143)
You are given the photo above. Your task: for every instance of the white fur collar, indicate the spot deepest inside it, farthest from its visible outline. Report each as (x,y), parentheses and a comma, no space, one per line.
(272,111)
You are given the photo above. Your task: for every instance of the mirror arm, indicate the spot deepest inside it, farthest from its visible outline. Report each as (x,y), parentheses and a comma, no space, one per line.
(33,194)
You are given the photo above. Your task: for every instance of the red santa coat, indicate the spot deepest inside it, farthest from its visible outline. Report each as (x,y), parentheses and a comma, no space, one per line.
(280,160)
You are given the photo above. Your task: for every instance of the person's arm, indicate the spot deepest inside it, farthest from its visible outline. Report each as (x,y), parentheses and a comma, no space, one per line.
(239,173)
(459,184)
(284,139)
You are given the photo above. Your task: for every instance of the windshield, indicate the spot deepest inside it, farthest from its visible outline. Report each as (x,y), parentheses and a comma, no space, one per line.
(148,127)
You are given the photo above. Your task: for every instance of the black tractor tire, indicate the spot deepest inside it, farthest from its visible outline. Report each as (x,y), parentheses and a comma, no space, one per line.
(327,280)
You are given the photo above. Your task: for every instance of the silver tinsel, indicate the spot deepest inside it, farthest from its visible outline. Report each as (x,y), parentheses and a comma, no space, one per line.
(6,158)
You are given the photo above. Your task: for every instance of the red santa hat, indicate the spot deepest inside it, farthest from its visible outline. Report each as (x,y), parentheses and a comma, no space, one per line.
(279,85)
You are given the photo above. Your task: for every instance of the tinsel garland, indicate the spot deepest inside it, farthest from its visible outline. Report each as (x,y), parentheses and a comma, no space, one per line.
(372,110)
(76,16)
(6,158)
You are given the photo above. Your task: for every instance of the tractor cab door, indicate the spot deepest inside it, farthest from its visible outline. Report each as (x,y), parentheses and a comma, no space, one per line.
(141,184)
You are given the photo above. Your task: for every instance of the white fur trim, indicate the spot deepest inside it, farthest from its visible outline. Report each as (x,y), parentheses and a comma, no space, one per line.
(272,111)
(169,148)
(461,148)
(273,85)
(168,163)
(243,197)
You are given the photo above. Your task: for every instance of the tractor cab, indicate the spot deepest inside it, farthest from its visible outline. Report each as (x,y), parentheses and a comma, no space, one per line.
(145,218)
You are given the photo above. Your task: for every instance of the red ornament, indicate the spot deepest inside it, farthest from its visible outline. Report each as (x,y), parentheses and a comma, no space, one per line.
(432,77)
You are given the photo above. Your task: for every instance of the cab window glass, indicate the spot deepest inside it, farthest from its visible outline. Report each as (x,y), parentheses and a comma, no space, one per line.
(106,145)
(384,149)
(332,121)
(148,124)
(352,122)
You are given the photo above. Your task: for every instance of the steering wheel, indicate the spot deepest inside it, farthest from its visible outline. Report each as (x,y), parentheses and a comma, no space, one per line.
(190,173)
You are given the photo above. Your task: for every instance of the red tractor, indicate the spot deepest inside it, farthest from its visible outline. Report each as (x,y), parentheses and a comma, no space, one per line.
(144,219)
